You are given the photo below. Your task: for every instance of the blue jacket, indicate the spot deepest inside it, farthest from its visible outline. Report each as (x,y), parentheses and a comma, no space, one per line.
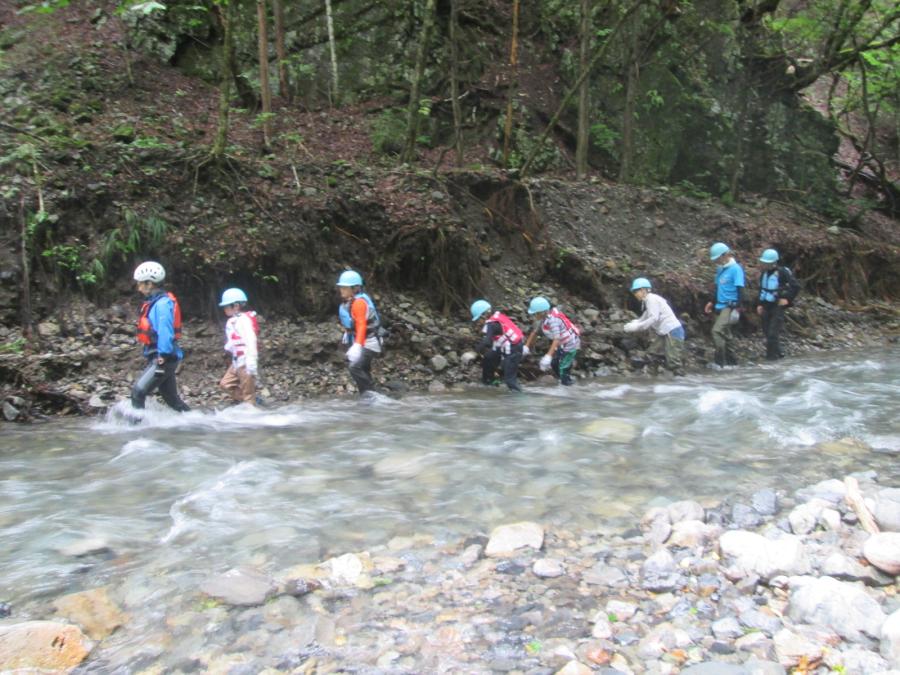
(162,320)
(729,278)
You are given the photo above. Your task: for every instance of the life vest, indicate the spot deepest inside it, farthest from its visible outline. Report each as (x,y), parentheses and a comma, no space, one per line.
(511,334)
(236,343)
(146,335)
(571,332)
(373,320)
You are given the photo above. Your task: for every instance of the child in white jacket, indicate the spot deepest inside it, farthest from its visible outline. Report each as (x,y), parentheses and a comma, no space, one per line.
(659,317)
(241,331)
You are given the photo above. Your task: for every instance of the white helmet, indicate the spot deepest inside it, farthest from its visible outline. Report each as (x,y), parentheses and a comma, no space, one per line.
(150,271)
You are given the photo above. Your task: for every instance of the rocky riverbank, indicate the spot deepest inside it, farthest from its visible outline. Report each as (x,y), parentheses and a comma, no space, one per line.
(86,359)
(782,581)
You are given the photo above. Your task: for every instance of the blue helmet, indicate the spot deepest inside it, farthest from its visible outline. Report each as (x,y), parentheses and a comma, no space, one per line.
(770,255)
(231,296)
(350,278)
(640,283)
(538,304)
(478,308)
(717,250)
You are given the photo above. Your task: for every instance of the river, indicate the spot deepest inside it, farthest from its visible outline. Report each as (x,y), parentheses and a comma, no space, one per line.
(168,502)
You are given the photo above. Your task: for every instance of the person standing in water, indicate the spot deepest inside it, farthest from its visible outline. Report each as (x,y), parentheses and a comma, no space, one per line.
(158,330)
(502,345)
(658,316)
(362,332)
(241,331)
(729,292)
(564,336)
(777,289)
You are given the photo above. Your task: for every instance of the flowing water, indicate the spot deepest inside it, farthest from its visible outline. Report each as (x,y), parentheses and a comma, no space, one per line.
(179,497)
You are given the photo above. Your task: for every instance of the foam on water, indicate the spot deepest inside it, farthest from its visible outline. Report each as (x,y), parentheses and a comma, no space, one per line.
(728,402)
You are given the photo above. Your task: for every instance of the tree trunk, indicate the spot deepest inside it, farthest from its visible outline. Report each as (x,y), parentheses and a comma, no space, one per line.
(284,87)
(583,138)
(27,331)
(265,92)
(329,22)
(626,168)
(226,66)
(412,120)
(513,82)
(454,81)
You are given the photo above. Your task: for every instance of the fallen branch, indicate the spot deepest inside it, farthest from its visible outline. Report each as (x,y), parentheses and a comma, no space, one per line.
(856,502)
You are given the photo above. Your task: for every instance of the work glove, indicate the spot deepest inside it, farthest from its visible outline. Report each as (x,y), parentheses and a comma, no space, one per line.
(354,354)
(546,361)
(630,327)
(525,351)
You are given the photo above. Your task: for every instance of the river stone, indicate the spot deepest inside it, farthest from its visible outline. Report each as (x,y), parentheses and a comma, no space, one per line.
(44,645)
(685,510)
(548,568)
(10,412)
(439,363)
(659,573)
(859,660)
(623,611)
(692,533)
(883,551)
(745,517)
(611,429)
(715,668)
(348,569)
(399,465)
(765,557)
(656,525)
(765,502)
(890,639)
(844,446)
(242,587)
(85,547)
(804,517)
(467,358)
(602,629)
(574,668)
(792,647)
(436,387)
(505,539)
(759,645)
(843,607)
(886,509)
(831,490)
(48,329)
(602,574)
(93,610)
(841,567)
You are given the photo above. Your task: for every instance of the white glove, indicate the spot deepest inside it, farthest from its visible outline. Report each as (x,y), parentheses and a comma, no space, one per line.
(354,354)
(525,351)
(546,360)
(631,326)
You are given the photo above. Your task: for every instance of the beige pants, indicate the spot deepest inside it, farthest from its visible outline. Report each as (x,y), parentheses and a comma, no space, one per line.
(239,383)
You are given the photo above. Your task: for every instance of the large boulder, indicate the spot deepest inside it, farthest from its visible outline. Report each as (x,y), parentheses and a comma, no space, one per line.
(843,607)
(42,645)
(93,610)
(242,587)
(883,551)
(506,539)
(765,557)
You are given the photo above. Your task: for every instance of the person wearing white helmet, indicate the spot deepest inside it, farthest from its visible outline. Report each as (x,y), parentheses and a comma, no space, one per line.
(777,289)
(362,329)
(502,345)
(241,331)
(158,330)
(564,336)
(658,316)
(729,291)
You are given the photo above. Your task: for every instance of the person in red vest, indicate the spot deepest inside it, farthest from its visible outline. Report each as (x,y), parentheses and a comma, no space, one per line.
(158,330)
(503,345)
(241,331)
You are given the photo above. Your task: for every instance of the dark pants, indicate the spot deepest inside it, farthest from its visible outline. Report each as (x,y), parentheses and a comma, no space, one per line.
(361,371)
(562,363)
(162,378)
(772,327)
(494,359)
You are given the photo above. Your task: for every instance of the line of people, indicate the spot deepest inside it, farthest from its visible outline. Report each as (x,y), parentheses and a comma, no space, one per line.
(503,344)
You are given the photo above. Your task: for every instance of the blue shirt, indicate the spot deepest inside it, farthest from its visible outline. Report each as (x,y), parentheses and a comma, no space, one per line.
(162,320)
(729,278)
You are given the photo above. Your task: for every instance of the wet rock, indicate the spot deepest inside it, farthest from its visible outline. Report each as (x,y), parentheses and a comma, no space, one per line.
(5,610)
(93,610)
(10,412)
(239,586)
(765,502)
(685,510)
(86,547)
(436,387)
(399,465)
(890,639)
(96,402)
(548,568)
(765,557)
(612,430)
(507,538)
(299,587)
(348,570)
(439,363)
(843,607)
(44,645)
(844,446)
(883,551)
(602,574)
(659,573)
